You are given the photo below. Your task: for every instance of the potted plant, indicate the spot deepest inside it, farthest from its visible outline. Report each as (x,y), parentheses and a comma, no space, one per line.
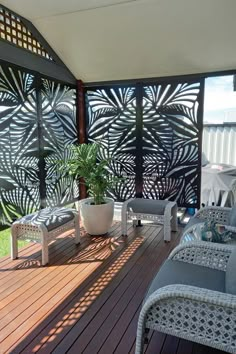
(96,211)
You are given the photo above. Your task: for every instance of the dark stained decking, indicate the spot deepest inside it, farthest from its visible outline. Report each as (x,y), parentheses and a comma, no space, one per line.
(87,300)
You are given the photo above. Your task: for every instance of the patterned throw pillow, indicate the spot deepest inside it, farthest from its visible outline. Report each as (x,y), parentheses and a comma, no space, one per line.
(214,232)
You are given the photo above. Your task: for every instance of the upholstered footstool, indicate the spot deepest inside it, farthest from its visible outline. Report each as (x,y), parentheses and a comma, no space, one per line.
(44,226)
(162,212)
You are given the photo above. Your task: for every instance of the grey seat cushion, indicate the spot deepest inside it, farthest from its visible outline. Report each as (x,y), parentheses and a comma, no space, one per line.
(147,206)
(232,216)
(177,272)
(230,277)
(52,218)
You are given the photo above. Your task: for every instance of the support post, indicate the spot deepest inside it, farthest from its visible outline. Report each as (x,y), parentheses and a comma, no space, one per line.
(81,126)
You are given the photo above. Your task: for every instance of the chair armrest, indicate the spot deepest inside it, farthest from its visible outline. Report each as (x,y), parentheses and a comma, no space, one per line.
(218,214)
(124,207)
(192,313)
(207,254)
(211,297)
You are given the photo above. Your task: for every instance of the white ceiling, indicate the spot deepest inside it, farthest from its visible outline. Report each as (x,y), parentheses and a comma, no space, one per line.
(115,39)
(34,9)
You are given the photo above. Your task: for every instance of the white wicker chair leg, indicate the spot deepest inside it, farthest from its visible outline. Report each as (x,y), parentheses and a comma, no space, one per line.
(124,217)
(174,221)
(139,345)
(77,228)
(124,227)
(167,232)
(44,246)
(167,222)
(124,221)
(14,245)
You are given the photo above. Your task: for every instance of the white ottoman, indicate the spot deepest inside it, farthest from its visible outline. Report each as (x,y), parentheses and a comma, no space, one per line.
(162,212)
(44,226)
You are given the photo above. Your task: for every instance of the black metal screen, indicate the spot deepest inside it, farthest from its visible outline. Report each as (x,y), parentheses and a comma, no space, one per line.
(153,134)
(37,120)
(111,115)
(171,142)
(57,133)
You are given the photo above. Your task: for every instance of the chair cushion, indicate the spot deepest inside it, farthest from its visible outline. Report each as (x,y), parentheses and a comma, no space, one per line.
(52,218)
(177,272)
(147,206)
(230,278)
(232,216)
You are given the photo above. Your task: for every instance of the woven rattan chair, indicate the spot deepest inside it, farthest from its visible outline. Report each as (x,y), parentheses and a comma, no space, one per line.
(221,215)
(193,297)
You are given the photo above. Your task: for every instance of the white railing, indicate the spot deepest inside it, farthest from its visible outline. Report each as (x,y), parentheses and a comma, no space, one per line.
(219,143)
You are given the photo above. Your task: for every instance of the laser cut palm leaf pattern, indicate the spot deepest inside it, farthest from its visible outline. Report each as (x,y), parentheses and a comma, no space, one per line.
(171,142)
(59,131)
(19,182)
(111,121)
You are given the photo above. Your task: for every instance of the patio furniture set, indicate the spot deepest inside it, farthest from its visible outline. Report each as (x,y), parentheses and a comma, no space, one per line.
(193,296)
(47,224)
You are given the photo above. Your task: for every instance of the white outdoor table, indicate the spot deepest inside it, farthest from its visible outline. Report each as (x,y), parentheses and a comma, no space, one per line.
(217,184)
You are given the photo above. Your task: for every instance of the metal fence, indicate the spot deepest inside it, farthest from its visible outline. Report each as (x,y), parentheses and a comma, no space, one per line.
(219,143)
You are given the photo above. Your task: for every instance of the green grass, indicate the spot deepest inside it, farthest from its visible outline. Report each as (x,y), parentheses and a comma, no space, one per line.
(5,242)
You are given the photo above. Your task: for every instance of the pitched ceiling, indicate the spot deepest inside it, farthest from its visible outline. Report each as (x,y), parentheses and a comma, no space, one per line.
(123,39)
(34,9)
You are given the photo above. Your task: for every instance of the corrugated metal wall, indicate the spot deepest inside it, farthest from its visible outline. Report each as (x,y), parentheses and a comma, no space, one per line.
(219,143)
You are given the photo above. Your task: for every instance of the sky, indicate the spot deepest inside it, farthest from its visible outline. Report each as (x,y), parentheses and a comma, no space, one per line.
(220,100)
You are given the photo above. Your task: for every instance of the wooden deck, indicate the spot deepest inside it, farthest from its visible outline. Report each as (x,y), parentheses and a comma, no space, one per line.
(88,299)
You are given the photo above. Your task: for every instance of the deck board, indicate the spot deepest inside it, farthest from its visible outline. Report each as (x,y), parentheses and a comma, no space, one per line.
(87,300)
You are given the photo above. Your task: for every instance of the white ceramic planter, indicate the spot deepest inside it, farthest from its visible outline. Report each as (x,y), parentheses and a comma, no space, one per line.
(97,219)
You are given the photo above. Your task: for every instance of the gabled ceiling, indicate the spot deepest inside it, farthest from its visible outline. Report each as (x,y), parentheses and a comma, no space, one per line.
(125,39)
(35,9)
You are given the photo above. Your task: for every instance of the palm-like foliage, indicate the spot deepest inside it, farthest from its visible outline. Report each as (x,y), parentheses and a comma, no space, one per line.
(111,122)
(84,163)
(171,142)
(59,131)
(158,152)
(21,150)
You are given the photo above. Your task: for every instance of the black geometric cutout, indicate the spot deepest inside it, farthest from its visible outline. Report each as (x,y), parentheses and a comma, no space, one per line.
(111,121)
(37,123)
(58,132)
(171,140)
(19,180)
(153,135)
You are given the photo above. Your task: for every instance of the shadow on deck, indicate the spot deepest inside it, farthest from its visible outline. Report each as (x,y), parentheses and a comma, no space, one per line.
(87,300)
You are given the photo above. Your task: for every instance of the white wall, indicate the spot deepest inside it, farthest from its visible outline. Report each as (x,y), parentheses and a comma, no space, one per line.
(219,144)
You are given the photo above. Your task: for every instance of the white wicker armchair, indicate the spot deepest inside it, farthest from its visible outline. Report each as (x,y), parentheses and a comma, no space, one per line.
(193,313)
(221,215)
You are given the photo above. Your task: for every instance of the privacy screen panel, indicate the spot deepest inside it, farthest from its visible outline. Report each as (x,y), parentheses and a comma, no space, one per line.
(152,133)
(58,132)
(19,151)
(37,123)
(111,121)
(171,142)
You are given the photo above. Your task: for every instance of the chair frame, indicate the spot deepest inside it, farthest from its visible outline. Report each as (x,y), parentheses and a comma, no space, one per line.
(39,233)
(196,314)
(168,219)
(214,213)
